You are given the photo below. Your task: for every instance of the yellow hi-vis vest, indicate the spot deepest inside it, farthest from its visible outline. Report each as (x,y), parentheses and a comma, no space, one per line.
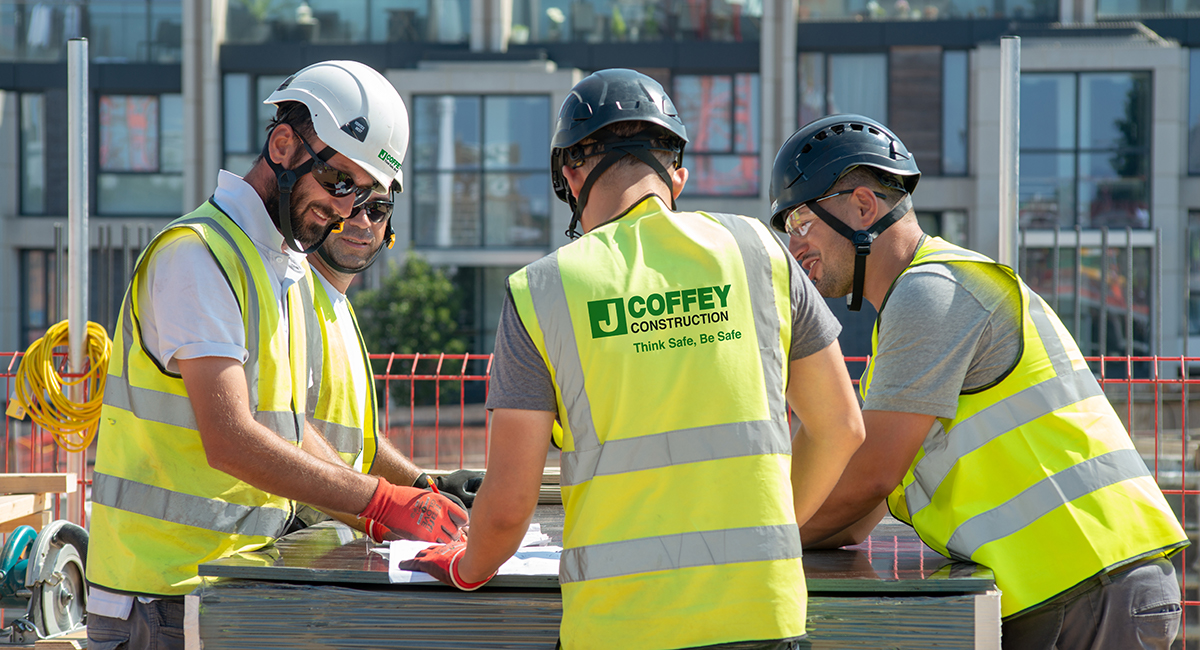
(345,418)
(158,508)
(1035,476)
(667,337)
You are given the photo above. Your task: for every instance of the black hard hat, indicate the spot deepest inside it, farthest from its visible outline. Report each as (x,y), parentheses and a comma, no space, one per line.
(603,98)
(812,160)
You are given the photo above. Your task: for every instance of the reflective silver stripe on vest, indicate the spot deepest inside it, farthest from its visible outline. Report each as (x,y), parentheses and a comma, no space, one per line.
(316,345)
(943,450)
(187,509)
(346,439)
(149,405)
(719,441)
(757,263)
(283,423)
(1055,350)
(670,552)
(1044,496)
(550,304)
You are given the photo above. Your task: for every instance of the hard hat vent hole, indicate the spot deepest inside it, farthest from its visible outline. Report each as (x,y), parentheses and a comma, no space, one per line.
(821,136)
(856,127)
(807,148)
(873,131)
(838,128)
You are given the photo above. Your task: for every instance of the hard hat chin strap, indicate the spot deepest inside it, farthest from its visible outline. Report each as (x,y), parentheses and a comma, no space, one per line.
(286,180)
(389,238)
(638,148)
(862,240)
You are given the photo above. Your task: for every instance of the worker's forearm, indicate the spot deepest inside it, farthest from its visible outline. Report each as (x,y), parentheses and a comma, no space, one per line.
(852,500)
(261,458)
(494,535)
(818,459)
(392,465)
(853,534)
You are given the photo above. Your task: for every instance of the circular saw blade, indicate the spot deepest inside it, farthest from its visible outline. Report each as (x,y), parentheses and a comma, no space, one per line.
(62,598)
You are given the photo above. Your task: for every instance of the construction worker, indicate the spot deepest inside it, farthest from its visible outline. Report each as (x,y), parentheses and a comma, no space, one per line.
(986,430)
(666,344)
(204,447)
(341,398)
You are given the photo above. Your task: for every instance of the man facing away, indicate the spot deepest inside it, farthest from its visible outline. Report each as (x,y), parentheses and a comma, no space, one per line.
(666,344)
(204,447)
(986,430)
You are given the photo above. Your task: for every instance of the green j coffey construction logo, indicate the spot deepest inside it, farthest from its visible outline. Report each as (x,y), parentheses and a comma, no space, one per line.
(607,317)
(658,311)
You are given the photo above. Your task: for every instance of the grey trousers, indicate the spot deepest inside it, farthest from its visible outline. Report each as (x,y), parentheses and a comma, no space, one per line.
(1137,608)
(156,625)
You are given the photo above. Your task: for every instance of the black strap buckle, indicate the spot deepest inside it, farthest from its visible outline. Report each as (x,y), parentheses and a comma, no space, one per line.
(862,241)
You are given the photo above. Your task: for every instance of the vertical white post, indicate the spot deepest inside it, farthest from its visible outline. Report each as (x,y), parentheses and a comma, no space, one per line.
(77,236)
(1010,139)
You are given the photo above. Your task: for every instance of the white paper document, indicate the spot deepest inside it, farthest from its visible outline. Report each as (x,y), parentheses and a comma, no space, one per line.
(534,558)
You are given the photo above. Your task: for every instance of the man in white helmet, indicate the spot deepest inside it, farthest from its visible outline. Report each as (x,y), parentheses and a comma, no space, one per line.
(204,448)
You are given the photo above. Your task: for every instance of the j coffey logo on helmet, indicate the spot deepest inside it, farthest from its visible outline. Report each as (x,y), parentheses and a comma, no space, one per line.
(387,158)
(680,308)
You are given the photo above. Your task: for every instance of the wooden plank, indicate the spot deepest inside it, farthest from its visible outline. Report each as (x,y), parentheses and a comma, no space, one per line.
(69,641)
(15,506)
(36,483)
(38,520)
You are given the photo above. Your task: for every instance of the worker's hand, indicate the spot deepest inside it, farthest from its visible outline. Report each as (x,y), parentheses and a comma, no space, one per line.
(441,562)
(463,483)
(414,513)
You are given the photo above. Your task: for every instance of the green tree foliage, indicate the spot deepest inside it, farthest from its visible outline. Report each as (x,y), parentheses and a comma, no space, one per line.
(413,312)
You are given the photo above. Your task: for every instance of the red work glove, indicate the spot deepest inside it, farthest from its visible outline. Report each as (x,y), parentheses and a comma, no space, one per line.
(412,513)
(441,562)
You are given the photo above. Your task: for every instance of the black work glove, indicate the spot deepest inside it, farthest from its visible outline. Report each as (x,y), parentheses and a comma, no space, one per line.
(459,485)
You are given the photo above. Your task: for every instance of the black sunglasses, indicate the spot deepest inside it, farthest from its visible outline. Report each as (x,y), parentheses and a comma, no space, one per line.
(338,183)
(378,211)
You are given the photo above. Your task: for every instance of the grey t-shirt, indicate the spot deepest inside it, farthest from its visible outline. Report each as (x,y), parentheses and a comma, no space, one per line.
(520,379)
(943,331)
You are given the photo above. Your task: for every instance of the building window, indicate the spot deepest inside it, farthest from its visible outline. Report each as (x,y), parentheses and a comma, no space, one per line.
(1095,296)
(955,86)
(246,117)
(481,171)
(1085,149)
(335,21)
(950,225)
(141,155)
(33,157)
(721,115)
(872,10)
(39,299)
(842,83)
(595,21)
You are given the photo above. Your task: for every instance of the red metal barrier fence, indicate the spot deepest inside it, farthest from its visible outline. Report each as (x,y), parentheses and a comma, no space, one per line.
(436,415)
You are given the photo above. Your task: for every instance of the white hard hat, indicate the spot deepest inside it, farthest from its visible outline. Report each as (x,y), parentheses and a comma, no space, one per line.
(356,111)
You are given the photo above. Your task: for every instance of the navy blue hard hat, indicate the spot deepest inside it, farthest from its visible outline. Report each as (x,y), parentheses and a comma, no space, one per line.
(812,160)
(604,98)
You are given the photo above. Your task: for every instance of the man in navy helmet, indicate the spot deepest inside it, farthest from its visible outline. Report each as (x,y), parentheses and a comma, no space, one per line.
(986,431)
(666,344)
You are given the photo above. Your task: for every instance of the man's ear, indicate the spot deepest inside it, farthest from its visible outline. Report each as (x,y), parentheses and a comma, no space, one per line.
(282,144)
(575,179)
(679,178)
(865,206)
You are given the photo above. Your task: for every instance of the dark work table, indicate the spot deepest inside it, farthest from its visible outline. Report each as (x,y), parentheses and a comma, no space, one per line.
(892,561)
(323,587)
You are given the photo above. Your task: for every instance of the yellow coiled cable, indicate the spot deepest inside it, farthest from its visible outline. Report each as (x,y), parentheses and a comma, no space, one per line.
(40,389)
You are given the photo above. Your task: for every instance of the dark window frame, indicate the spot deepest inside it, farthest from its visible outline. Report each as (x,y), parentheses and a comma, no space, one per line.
(478,169)
(689,152)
